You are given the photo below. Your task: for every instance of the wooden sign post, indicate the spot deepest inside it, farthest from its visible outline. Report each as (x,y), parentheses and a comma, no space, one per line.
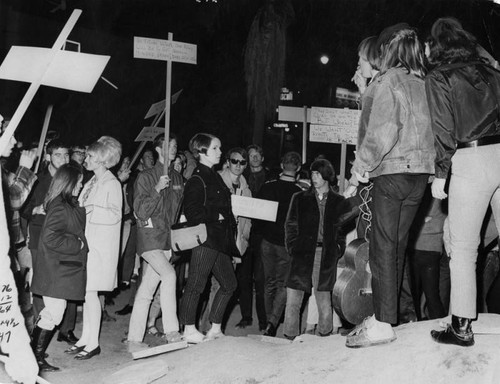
(169,51)
(53,67)
(328,125)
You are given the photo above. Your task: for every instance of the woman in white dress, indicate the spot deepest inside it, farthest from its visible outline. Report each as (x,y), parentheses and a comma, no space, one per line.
(102,198)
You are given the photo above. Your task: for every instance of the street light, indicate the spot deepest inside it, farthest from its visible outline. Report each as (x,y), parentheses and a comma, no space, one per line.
(324,59)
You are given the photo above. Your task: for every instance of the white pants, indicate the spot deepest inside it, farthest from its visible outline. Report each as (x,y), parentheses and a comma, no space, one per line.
(52,314)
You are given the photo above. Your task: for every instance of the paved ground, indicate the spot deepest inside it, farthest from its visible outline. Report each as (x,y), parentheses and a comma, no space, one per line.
(412,358)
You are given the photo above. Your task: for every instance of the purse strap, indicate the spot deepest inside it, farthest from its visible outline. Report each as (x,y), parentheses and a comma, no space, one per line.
(179,209)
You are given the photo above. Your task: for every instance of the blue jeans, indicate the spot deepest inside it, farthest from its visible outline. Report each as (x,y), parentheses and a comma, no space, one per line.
(474,184)
(395,201)
(294,300)
(276,262)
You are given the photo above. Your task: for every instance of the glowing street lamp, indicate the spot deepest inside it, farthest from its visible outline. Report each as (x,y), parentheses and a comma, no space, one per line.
(324,59)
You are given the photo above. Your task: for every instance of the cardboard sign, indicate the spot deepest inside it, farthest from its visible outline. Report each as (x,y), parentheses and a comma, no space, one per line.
(149,133)
(295,114)
(338,117)
(158,107)
(165,50)
(67,70)
(254,208)
(333,134)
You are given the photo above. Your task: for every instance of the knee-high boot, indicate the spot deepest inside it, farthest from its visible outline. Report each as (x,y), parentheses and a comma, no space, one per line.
(458,333)
(40,341)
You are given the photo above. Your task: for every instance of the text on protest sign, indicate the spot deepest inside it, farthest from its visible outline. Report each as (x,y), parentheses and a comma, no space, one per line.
(166,50)
(254,208)
(334,125)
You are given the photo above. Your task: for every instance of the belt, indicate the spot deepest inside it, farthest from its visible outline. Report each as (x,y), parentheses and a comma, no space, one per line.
(488,140)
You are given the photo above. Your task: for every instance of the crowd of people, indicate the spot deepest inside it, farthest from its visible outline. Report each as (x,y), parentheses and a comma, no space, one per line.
(90,222)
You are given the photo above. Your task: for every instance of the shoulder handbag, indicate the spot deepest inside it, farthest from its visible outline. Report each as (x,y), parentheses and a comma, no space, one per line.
(184,236)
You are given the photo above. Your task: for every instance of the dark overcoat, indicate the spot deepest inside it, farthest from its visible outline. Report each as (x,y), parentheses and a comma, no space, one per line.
(59,269)
(301,238)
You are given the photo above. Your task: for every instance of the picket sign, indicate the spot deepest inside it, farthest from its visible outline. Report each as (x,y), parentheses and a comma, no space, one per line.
(169,51)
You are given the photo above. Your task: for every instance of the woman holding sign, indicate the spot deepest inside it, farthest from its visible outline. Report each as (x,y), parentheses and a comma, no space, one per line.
(208,200)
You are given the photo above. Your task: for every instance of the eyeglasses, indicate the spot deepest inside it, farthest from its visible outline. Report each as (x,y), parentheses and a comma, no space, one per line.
(241,162)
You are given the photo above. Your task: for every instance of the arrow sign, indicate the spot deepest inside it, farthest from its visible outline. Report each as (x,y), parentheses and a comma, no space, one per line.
(158,107)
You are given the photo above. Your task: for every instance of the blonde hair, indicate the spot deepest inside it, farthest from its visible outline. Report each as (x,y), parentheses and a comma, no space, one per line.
(108,151)
(403,49)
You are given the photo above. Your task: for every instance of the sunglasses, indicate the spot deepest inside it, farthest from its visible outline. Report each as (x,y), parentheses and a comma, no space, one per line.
(241,162)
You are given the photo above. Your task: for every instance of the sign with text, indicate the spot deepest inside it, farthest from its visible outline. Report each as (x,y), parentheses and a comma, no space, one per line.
(149,133)
(332,134)
(338,117)
(166,50)
(254,208)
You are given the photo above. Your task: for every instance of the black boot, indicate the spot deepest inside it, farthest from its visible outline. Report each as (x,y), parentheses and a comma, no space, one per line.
(40,341)
(458,333)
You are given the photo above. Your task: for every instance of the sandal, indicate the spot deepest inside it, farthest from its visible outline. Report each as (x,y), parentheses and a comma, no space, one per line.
(153,331)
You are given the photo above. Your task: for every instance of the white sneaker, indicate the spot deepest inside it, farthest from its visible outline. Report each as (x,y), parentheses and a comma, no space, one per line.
(212,335)
(194,337)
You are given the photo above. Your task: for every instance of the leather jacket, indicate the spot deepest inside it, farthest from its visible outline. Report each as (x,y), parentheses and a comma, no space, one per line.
(396,125)
(464,103)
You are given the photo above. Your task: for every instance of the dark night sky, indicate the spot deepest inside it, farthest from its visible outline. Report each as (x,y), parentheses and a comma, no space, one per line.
(213,97)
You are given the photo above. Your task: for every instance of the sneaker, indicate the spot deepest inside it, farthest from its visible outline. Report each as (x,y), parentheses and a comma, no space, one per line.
(213,335)
(194,337)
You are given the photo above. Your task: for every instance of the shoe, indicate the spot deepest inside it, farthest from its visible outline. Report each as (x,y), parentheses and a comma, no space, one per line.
(85,355)
(214,335)
(359,338)
(244,323)
(40,342)
(107,317)
(125,310)
(195,337)
(458,333)
(69,337)
(74,350)
(270,330)
(135,346)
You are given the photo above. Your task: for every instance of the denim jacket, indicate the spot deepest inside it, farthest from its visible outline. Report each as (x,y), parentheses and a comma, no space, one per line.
(396,129)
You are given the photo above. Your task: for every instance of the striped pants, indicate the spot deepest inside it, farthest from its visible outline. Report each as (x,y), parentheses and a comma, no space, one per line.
(203,261)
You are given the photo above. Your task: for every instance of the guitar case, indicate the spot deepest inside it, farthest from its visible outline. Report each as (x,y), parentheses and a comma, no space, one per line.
(352,294)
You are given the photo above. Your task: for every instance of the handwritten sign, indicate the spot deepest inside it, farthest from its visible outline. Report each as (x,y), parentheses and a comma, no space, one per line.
(338,117)
(149,133)
(165,50)
(331,134)
(254,208)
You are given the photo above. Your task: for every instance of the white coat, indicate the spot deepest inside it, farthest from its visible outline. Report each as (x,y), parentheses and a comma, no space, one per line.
(103,201)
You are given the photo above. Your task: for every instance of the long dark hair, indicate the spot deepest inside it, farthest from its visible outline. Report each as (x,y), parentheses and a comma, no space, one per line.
(450,42)
(63,183)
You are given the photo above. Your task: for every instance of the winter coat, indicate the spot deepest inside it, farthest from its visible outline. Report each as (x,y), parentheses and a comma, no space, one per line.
(301,236)
(59,268)
(102,200)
